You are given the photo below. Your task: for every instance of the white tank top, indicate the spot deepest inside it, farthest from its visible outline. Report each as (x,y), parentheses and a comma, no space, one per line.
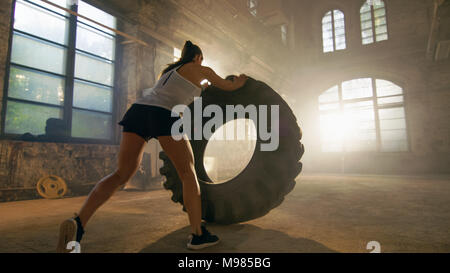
(171,89)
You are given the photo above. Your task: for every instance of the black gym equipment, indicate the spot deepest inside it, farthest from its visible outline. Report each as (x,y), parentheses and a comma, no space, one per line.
(269,175)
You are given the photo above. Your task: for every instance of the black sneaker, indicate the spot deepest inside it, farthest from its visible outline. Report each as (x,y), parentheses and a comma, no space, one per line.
(202,241)
(69,231)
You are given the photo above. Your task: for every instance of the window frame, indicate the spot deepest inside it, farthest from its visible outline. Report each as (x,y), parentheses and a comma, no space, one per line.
(69,79)
(372,14)
(333,31)
(376,107)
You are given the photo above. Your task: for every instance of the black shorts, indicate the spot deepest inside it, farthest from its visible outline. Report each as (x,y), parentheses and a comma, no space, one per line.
(148,121)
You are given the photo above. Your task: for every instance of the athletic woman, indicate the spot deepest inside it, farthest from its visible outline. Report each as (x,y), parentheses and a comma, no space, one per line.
(150,117)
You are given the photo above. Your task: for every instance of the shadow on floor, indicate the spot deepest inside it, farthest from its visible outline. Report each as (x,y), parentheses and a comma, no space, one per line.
(239,238)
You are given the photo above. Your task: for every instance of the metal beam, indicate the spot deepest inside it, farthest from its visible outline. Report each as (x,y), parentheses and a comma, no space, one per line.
(433,29)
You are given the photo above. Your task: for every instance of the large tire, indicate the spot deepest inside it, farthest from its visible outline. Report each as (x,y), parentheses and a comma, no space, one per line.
(269,176)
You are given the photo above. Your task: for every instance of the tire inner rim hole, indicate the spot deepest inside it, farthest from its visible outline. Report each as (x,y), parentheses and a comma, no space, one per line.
(230,149)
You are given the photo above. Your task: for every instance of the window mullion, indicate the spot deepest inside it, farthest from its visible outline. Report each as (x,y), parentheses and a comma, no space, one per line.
(70,70)
(372,11)
(377,118)
(341,111)
(332,29)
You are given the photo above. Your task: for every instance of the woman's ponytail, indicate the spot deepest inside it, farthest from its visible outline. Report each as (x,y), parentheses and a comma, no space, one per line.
(187,55)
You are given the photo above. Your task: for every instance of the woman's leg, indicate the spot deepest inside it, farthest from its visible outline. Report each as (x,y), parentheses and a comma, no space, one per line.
(130,155)
(182,157)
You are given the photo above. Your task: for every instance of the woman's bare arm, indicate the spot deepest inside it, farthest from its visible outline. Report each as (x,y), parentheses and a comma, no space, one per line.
(221,83)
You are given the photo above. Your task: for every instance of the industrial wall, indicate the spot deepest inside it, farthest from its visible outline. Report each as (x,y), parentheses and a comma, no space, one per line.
(233,42)
(407,58)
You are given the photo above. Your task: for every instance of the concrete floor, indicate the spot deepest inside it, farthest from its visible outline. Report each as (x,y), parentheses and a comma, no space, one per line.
(323,213)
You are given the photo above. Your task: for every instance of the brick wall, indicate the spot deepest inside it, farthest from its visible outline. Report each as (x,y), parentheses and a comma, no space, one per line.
(5,21)
(231,39)
(235,42)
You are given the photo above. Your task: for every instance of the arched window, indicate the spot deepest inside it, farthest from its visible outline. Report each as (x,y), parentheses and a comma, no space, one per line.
(284,34)
(333,31)
(252,6)
(363,115)
(373,22)
(176,54)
